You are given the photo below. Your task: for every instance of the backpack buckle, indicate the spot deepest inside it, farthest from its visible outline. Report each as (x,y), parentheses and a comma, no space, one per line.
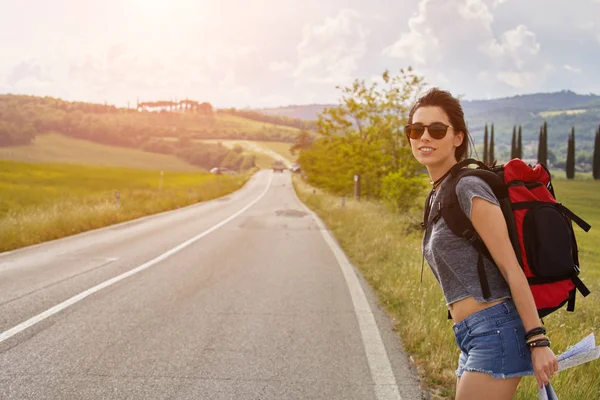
(576,268)
(470,236)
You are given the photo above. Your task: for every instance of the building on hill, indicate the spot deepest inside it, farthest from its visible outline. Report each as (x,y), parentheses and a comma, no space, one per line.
(175,106)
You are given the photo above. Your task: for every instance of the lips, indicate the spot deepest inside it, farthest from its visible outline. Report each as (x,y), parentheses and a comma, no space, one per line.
(426,149)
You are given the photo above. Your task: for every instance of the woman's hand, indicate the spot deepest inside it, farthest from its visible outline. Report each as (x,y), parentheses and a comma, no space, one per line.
(545,364)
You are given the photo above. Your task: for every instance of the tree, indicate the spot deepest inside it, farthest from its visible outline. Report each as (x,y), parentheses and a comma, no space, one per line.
(545,143)
(540,154)
(491,156)
(513,147)
(485,145)
(543,146)
(364,136)
(303,141)
(520,144)
(596,159)
(570,163)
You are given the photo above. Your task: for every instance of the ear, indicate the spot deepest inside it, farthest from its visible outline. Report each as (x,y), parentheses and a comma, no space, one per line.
(458,139)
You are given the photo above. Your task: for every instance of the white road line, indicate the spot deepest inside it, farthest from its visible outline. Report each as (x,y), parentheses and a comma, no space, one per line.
(59,307)
(382,374)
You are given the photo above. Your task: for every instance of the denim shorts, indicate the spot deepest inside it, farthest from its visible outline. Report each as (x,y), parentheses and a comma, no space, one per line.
(492,341)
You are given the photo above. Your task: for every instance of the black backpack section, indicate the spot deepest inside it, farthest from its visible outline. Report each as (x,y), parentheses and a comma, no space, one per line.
(558,237)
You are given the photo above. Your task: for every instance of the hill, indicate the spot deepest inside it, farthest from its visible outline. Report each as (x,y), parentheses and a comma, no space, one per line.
(22,117)
(561,110)
(173,129)
(55,148)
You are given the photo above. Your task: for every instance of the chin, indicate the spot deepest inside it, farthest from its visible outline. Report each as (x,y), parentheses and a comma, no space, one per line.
(428,161)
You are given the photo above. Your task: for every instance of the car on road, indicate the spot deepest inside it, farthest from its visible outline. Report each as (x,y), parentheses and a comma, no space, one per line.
(278,166)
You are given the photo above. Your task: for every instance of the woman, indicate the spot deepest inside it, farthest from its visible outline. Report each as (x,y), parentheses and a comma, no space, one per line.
(490,334)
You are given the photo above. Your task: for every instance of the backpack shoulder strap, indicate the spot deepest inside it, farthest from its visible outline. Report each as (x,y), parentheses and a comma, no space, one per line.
(457,220)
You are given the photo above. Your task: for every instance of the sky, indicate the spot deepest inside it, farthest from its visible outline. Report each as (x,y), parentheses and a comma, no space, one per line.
(269,53)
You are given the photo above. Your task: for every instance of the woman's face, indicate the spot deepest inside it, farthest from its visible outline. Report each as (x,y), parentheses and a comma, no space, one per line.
(433,152)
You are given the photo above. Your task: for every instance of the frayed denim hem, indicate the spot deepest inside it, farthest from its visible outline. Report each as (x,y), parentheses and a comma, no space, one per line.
(494,375)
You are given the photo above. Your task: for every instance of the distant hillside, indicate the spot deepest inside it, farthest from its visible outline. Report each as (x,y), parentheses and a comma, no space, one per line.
(561,111)
(306,112)
(23,117)
(166,128)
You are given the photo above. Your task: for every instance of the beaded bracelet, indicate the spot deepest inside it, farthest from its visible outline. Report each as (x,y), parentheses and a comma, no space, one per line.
(534,332)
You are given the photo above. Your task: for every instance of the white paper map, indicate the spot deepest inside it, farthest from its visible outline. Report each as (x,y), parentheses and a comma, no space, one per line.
(581,352)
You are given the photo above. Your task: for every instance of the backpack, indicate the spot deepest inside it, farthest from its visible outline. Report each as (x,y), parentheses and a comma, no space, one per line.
(540,229)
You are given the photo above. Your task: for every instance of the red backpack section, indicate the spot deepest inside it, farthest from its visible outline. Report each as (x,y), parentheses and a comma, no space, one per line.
(547,247)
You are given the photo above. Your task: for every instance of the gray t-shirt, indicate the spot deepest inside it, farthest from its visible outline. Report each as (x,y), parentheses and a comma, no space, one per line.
(453,260)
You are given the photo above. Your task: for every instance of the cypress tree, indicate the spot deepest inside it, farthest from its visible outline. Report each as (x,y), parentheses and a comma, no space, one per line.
(596,159)
(545,143)
(541,147)
(485,145)
(491,155)
(513,148)
(520,144)
(570,164)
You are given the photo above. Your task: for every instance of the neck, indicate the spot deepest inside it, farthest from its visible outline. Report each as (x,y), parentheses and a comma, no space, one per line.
(438,170)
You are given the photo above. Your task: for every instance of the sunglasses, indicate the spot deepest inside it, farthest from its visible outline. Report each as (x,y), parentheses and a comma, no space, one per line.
(437,130)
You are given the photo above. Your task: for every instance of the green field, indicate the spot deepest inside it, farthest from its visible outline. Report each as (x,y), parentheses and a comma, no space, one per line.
(55,148)
(386,248)
(40,202)
(546,114)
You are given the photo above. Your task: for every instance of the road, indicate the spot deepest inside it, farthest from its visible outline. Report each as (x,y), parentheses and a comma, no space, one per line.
(243,297)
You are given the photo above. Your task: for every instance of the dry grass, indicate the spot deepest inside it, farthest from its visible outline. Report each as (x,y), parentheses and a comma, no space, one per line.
(41,202)
(385,247)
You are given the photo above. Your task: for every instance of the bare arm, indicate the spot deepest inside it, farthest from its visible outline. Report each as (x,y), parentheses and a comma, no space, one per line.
(488,220)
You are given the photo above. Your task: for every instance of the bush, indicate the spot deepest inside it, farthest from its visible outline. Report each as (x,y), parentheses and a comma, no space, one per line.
(401,191)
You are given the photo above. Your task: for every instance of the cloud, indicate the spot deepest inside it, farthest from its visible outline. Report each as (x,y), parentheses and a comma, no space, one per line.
(290,56)
(280,66)
(572,69)
(329,51)
(29,70)
(434,45)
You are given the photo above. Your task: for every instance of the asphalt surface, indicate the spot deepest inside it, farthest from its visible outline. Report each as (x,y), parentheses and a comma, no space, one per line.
(253,304)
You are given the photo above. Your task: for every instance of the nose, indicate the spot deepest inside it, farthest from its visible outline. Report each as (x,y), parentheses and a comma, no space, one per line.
(426,132)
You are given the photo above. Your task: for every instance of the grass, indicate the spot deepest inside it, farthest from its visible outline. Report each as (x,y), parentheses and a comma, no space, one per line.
(561,174)
(41,202)
(219,124)
(272,149)
(386,248)
(55,148)
(234,123)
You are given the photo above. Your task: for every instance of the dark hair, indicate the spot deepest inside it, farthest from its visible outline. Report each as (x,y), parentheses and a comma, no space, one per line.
(441,98)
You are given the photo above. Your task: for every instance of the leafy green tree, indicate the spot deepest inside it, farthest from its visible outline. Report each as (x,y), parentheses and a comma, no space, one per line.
(303,141)
(364,136)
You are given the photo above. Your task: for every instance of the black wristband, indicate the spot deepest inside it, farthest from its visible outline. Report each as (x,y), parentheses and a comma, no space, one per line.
(534,332)
(539,343)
